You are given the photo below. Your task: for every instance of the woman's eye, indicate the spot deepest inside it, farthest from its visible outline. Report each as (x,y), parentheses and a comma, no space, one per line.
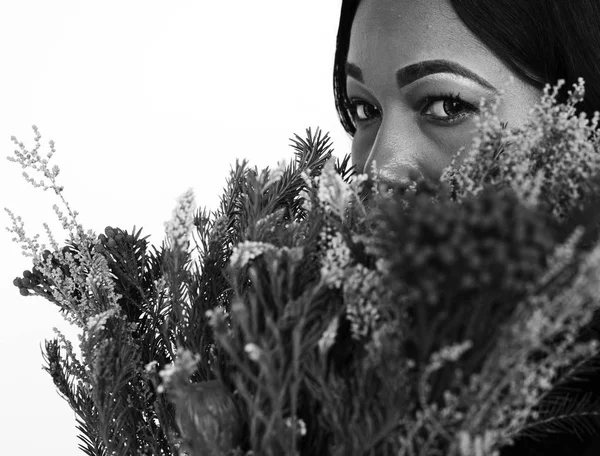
(363,111)
(447,109)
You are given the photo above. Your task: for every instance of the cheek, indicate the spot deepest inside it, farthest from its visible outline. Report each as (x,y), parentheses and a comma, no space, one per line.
(428,147)
(447,142)
(362,145)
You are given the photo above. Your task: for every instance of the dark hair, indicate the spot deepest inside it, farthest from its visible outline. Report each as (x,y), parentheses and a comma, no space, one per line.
(542,41)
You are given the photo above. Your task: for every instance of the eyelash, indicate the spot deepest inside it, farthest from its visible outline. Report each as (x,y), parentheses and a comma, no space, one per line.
(448,96)
(425,104)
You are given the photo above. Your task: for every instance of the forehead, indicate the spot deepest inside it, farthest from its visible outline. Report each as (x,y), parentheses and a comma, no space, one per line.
(389,34)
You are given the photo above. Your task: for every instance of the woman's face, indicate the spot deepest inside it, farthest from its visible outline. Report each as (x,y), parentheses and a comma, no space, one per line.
(416,75)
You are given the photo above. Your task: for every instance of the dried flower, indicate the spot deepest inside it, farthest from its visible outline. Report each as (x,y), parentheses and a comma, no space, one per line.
(297,425)
(362,291)
(336,258)
(97,322)
(549,160)
(334,194)
(247,251)
(151,366)
(179,371)
(328,337)
(178,229)
(253,351)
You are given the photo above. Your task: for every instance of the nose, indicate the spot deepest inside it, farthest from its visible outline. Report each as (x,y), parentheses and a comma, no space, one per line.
(393,154)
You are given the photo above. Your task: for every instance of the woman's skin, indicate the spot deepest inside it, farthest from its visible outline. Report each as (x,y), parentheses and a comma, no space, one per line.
(407,120)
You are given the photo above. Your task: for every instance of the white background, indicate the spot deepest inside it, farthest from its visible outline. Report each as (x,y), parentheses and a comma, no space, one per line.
(144,99)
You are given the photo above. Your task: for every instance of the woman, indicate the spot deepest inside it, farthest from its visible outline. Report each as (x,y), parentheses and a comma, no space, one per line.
(409,76)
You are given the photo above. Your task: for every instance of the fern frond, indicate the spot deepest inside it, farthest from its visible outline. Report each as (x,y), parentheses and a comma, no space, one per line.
(566,414)
(583,375)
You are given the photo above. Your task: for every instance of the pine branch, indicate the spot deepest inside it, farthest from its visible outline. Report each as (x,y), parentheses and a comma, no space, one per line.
(91,443)
(268,192)
(114,376)
(344,168)
(77,397)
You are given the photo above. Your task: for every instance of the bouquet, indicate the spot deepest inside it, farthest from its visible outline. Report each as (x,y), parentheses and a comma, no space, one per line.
(314,314)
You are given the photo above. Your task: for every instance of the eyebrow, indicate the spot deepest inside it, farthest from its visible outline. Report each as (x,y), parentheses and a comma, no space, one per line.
(411,73)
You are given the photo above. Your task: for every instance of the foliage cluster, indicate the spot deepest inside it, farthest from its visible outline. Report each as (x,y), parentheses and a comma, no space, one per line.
(310,314)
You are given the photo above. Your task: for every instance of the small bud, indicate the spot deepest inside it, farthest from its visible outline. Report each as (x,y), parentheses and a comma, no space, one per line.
(24,291)
(109,231)
(253,351)
(151,366)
